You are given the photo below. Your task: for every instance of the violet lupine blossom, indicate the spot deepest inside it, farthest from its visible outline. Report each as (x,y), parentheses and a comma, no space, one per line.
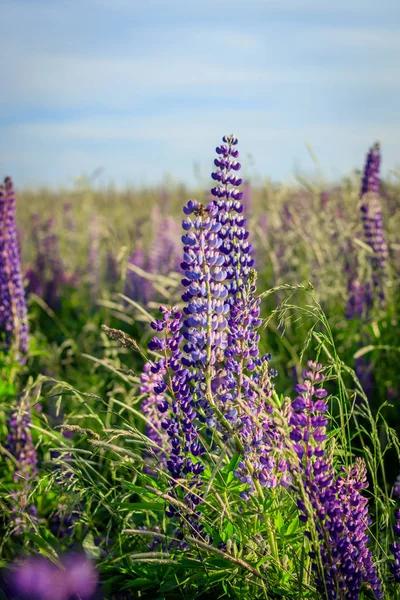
(370,180)
(242,393)
(217,376)
(13,314)
(47,275)
(20,445)
(339,510)
(395,548)
(373,220)
(165,251)
(359,299)
(39,579)
(136,287)
(170,375)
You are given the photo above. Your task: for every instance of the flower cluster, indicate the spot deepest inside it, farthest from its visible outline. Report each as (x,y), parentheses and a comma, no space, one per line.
(47,276)
(335,503)
(39,579)
(211,376)
(13,315)
(162,258)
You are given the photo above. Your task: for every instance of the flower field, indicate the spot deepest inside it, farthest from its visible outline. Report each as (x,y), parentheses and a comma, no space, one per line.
(199,388)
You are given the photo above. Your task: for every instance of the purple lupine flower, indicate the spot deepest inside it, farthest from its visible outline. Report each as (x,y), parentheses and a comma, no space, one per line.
(112,274)
(48,274)
(370,180)
(217,378)
(395,548)
(13,314)
(183,444)
(339,511)
(20,445)
(359,299)
(39,579)
(373,220)
(136,287)
(165,251)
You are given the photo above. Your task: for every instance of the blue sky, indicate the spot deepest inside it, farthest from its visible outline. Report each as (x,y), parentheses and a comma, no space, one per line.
(145,88)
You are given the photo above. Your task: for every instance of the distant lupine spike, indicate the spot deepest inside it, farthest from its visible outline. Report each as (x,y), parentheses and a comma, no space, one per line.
(374,230)
(94,257)
(19,443)
(13,313)
(165,251)
(112,274)
(359,299)
(370,179)
(48,275)
(136,287)
(339,511)
(395,548)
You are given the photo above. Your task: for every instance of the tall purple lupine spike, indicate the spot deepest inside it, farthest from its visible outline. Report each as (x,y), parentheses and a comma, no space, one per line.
(94,258)
(370,180)
(13,313)
(165,251)
(339,510)
(136,287)
(395,548)
(20,445)
(373,220)
(216,375)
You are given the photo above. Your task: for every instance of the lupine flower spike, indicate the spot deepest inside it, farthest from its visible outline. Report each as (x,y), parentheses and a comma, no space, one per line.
(339,511)
(373,220)
(13,314)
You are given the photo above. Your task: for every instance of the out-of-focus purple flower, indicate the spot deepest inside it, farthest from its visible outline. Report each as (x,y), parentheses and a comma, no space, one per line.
(38,579)
(374,230)
(165,250)
(136,287)
(112,273)
(359,299)
(47,276)
(13,314)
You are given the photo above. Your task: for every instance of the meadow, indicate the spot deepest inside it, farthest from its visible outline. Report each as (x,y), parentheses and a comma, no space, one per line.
(206,408)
